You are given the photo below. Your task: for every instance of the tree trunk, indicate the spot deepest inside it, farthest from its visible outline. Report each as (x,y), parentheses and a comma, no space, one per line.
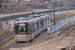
(1,1)
(19,1)
(1,6)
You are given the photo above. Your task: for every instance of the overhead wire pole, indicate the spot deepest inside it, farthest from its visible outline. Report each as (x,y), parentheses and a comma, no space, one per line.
(37,4)
(67,10)
(58,5)
(54,11)
(58,8)
(29,7)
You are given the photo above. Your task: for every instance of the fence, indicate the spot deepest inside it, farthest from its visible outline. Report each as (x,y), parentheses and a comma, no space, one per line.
(62,24)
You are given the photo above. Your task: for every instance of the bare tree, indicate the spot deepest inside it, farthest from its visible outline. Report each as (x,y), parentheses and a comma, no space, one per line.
(1,1)
(19,1)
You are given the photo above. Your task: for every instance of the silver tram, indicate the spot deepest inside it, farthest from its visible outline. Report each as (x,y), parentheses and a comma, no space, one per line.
(27,29)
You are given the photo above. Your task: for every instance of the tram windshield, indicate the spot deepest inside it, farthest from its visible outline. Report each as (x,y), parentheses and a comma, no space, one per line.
(21,29)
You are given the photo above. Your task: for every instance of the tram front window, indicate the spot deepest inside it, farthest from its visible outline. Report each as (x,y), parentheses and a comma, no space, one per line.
(21,29)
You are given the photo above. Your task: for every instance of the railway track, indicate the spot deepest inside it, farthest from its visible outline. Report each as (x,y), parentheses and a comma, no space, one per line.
(5,35)
(68,32)
(6,38)
(20,45)
(70,47)
(64,33)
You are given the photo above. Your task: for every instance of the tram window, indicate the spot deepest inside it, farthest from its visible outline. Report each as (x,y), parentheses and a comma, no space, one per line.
(21,29)
(16,28)
(30,29)
(46,21)
(37,25)
(34,25)
(42,23)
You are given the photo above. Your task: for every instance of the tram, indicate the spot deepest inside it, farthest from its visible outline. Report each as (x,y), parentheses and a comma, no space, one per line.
(28,28)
